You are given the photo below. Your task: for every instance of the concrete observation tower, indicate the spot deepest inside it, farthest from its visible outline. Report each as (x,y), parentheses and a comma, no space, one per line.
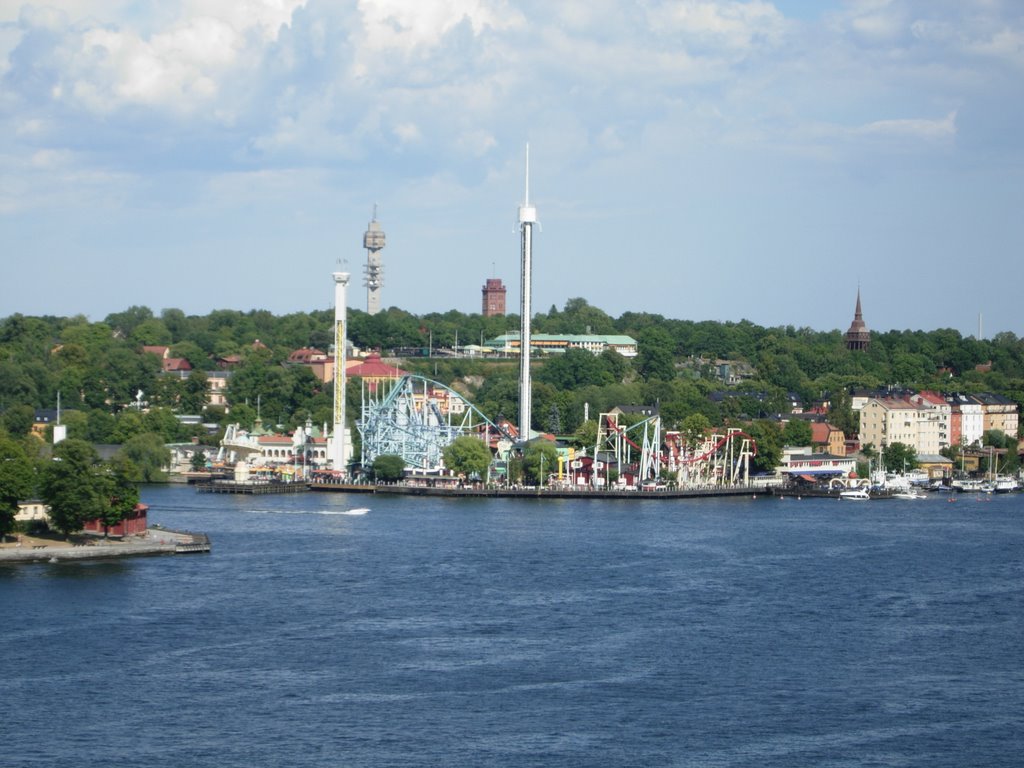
(527,219)
(373,272)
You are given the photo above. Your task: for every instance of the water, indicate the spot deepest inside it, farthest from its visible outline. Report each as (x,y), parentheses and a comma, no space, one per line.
(518,633)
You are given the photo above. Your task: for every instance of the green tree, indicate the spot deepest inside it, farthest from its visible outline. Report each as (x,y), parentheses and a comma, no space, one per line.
(655,355)
(193,399)
(198,462)
(163,422)
(144,458)
(129,424)
(841,413)
(768,437)
(797,432)
(18,419)
(388,468)
(99,428)
(74,486)
(1009,462)
(119,491)
(585,435)
(151,332)
(467,455)
(898,457)
(695,427)
(539,460)
(17,481)
(575,368)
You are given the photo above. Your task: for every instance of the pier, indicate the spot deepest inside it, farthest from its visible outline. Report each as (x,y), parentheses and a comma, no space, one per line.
(157,540)
(537,493)
(253,489)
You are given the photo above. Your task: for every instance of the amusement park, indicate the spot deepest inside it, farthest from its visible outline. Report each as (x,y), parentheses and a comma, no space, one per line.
(416,421)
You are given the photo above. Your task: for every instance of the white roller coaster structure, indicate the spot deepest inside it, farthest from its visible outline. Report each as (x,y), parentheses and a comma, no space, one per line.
(416,418)
(715,460)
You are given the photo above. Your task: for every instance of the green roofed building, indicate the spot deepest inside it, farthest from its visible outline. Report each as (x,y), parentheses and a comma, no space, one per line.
(550,342)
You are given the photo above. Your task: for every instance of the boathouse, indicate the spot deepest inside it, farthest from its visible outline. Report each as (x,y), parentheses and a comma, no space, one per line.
(133,525)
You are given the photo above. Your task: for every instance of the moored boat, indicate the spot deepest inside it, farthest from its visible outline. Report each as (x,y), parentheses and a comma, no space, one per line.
(910,494)
(855,494)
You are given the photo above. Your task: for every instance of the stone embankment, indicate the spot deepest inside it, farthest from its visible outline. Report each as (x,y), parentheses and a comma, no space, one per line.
(155,541)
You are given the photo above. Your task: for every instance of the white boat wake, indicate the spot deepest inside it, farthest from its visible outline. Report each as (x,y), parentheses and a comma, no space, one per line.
(329,512)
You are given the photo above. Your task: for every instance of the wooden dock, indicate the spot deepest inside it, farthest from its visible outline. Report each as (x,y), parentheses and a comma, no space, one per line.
(252,489)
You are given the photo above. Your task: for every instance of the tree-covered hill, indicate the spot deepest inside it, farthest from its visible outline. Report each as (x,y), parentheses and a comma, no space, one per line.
(99,367)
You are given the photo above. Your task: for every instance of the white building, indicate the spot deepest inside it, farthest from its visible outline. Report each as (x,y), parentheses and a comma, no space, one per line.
(888,420)
(934,425)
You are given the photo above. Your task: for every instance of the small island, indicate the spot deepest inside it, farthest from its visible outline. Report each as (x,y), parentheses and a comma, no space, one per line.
(89,509)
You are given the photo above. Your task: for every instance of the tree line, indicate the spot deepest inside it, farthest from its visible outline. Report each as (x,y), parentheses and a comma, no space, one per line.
(99,367)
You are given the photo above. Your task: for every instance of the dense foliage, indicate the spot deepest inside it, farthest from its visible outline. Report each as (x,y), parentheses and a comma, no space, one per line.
(99,368)
(17,481)
(78,487)
(387,468)
(467,456)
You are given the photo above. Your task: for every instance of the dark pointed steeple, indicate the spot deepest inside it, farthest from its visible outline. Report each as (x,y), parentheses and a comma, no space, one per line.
(858,337)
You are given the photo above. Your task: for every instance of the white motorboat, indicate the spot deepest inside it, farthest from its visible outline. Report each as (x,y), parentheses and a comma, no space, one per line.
(910,494)
(855,494)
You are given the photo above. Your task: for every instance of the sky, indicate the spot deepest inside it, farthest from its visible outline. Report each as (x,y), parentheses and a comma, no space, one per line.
(701,159)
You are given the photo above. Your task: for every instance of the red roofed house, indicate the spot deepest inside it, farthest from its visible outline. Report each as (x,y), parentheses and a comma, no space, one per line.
(306,355)
(177,365)
(828,438)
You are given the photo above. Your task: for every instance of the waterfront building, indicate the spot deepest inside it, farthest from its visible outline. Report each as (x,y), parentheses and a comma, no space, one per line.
(550,342)
(804,463)
(998,413)
(829,438)
(888,420)
(934,428)
(966,420)
(493,298)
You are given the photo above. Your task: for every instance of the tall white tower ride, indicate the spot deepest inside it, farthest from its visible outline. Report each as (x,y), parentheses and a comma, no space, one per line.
(527,218)
(337,449)
(373,279)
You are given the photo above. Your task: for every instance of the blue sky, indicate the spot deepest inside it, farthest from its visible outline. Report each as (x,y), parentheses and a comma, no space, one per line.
(702,159)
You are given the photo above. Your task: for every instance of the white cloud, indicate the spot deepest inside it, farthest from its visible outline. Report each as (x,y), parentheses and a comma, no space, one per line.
(1006,43)
(942,129)
(407,132)
(874,21)
(178,70)
(728,26)
(402,25)
(103,66)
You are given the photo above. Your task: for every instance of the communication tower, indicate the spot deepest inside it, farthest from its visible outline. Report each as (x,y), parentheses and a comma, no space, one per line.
(373,272)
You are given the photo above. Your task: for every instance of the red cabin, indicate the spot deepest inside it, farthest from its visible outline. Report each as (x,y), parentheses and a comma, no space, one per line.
(132,525)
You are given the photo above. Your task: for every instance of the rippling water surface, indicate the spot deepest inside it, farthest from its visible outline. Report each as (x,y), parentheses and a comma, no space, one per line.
(516,633)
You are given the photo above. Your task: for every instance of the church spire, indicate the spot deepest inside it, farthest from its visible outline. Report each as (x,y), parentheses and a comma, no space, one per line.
(858,337)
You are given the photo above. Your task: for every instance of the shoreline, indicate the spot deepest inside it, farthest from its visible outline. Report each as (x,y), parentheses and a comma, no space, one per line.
(535,493)
(155,541)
